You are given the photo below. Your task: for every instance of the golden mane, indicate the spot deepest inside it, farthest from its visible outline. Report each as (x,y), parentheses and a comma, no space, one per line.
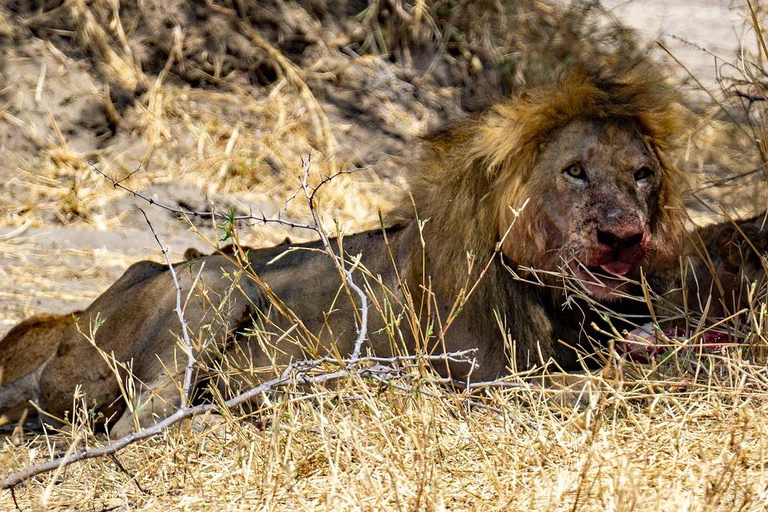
(472,172)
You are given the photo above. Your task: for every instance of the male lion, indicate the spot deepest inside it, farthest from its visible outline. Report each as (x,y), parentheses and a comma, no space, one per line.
(587,154)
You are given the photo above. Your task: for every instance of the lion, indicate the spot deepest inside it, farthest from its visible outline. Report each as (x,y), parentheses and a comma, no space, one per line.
(724,282)
(565,182)
(726,262)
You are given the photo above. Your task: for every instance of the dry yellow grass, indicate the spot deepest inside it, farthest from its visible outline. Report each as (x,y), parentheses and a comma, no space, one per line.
(644,444)
(686,434)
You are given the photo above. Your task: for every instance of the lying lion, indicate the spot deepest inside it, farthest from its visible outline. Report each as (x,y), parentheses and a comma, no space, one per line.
(586,152)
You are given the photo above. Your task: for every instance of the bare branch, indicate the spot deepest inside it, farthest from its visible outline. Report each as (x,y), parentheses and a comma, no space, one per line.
(189,371)
(259,218)
(309,194)
(124,178)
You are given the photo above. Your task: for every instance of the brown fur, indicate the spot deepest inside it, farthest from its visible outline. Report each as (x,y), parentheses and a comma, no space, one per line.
(725,260)
(613,123)
(485,164)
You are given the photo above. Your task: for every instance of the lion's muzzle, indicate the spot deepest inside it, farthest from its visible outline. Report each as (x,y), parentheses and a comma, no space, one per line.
(621,242)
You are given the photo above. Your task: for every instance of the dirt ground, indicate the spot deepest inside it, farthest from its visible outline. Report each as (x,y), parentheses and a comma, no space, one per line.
(705,35)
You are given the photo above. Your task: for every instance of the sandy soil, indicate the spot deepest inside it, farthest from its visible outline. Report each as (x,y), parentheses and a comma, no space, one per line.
(705,35)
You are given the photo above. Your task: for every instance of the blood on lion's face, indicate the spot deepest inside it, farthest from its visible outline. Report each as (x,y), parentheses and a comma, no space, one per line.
(600,182)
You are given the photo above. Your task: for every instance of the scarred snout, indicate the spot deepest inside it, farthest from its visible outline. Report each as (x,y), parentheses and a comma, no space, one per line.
(615,247)
(621,242)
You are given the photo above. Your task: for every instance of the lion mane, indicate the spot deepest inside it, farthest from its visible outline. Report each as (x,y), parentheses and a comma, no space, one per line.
(475,171)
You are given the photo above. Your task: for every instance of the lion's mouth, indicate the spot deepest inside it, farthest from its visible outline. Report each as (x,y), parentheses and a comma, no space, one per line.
(616,268)
(603,281)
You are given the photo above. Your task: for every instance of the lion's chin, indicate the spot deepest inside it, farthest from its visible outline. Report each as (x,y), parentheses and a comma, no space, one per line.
(604,283)
(608,290)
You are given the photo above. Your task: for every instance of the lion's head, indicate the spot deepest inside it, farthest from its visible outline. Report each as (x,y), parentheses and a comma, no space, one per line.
(587,154)
(598,192)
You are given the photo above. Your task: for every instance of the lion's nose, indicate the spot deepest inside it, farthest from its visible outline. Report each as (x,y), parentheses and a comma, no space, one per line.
(619,238)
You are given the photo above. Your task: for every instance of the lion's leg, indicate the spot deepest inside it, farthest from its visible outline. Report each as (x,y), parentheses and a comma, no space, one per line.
(25,353)
(16,397)
(228,306)
(155,401)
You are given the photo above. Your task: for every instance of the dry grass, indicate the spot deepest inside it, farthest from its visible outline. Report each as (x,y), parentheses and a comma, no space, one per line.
(643,444)
(684,433)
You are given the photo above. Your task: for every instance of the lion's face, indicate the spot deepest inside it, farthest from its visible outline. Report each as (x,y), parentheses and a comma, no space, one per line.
(598,185)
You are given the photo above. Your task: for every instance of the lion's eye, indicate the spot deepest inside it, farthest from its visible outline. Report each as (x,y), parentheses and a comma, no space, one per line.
(643,173)
(576,171)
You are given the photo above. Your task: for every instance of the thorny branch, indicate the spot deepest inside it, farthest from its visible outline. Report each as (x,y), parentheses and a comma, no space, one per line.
(190,369)
(213,214)
(309,194)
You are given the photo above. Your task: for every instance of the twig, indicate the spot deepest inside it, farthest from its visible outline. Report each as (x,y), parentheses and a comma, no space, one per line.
(13,495)
(125,471)
(460,356)
(728,179)
(309,194)
(703,88)
(213,214)
(180,313)
(201,214)
(124,178)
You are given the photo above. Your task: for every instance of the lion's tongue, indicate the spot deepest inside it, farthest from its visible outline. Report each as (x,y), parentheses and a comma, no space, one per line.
(618,268)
